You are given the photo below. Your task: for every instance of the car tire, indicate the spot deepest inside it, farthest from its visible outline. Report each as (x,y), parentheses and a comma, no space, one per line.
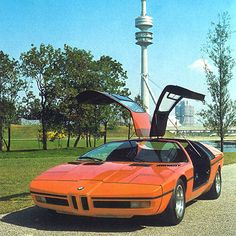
(174,213)
(215,189)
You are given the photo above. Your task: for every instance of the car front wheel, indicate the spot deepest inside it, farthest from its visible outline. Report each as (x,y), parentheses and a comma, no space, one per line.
(174,213)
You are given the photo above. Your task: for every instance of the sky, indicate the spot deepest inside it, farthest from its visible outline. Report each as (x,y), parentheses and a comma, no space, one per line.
(106,27)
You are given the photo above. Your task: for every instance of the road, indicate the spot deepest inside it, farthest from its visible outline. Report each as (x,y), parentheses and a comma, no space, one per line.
(202,217)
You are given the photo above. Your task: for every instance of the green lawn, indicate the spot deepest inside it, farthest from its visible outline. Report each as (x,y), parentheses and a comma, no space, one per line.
(229,158)
(17,169)
(56,153)
(16,174)
(25,137)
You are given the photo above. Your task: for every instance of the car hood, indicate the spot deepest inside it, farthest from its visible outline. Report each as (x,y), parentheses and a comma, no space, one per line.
(109,172)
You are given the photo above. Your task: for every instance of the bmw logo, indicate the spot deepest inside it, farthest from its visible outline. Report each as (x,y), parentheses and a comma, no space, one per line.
(80,188)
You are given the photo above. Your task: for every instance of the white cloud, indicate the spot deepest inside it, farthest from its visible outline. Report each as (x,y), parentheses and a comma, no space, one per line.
(199,65)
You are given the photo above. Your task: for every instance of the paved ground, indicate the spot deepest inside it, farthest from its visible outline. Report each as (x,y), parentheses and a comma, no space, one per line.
(202,217)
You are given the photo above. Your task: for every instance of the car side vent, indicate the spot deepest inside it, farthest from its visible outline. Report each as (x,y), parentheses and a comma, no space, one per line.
(140,164)
(93,163)
(168,165)
(74,162)
(73,198)
(84,202)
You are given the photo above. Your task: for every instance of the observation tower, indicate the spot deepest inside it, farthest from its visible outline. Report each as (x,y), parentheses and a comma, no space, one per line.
(144,39)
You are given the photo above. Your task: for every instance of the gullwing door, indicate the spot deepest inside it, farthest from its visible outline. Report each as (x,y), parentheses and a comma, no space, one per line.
(140,117)
(168,99)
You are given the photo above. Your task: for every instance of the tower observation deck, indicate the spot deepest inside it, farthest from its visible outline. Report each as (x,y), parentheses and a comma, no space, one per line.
(144,39)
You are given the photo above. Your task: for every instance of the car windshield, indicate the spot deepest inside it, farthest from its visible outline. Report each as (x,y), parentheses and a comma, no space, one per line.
(137,151)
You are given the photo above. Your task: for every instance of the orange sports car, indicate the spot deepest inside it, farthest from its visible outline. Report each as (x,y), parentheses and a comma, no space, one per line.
(145,176)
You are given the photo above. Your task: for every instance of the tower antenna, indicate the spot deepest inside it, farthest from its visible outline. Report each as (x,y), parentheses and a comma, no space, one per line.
(144,39)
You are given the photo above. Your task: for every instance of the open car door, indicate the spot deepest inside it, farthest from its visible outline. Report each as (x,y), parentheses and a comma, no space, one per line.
(140,117)
(168,99)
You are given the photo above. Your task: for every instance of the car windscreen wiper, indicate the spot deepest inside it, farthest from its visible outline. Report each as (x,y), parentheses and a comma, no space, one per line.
(90,158)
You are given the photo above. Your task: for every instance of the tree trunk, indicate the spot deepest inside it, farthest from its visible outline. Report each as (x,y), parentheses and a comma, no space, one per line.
(221,133)
(77,141)
(1,134)
(68,138)
(9,138)
(94,141)
(105,133)
(129,130)
(221,143)
(44,138)
(44,123)
(89,138)
(87,143)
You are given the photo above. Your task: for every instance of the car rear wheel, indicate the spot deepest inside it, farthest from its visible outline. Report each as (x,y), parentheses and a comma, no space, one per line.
(174,213)
(215,189)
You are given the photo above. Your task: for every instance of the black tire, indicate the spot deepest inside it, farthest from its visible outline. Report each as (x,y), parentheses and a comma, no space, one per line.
(215,189)
(174,213)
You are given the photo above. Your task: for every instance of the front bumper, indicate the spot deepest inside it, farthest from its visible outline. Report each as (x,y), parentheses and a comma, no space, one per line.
(97,199)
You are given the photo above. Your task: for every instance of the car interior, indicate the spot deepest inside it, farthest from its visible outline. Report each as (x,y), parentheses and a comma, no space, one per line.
(133,151)
(201,162)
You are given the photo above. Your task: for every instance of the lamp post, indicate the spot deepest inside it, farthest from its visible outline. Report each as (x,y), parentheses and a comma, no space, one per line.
(144,39)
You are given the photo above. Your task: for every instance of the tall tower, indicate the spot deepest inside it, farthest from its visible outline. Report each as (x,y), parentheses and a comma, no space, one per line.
(144,39)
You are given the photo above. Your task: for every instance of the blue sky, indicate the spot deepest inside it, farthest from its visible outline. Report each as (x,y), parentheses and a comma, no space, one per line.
(106,27)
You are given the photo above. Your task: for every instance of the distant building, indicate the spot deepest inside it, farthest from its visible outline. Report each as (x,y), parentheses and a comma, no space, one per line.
(184,112)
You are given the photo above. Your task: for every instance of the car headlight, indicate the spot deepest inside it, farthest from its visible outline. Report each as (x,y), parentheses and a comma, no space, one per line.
(41,199)
(140,204)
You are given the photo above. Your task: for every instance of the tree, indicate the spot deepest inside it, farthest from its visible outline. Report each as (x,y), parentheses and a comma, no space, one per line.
(77,74)
(126,117)
(112,79)
(220,114)
(81,72)
(10,85)
(30,107)
(139,101)
(42,66)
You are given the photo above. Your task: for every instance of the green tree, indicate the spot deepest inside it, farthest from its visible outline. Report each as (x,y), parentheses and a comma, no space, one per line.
(112,79)
(42,66)
(77,74)
(220,114)
(30,107)
(139,101)
(10,85)
(126,118)
(81,72)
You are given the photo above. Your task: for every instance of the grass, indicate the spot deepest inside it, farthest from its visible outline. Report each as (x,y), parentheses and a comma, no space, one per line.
(56,153)
(229,158)
(16,174)
(24,137)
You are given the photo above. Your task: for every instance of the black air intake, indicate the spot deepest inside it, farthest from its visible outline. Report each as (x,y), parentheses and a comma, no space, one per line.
(73,198)
(93,163)
(84,202)
(140,164)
